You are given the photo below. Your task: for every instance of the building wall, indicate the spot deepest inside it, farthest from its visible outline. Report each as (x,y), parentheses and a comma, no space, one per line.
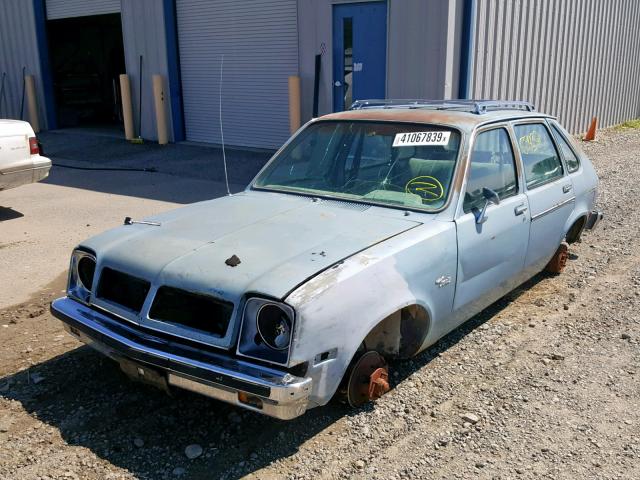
(572,58)
(424,49)
(423,44)
(18,49)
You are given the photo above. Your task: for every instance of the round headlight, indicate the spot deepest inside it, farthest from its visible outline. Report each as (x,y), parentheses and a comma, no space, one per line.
(86,269)
(274,326)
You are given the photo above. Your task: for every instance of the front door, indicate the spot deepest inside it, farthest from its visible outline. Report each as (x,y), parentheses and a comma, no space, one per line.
(359,52)
(491,253)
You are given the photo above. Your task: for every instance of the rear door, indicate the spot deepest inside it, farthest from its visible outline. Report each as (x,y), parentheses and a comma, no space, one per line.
(549,191)
(490,254)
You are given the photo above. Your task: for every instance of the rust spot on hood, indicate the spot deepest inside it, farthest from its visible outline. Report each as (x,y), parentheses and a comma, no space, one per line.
(233,261)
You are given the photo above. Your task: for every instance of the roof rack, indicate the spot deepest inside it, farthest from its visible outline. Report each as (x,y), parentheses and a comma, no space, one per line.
(473,106)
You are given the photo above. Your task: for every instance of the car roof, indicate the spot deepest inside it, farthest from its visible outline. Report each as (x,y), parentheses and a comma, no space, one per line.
(438,113)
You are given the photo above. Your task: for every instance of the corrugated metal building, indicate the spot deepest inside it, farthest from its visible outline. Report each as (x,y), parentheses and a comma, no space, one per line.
(572,58)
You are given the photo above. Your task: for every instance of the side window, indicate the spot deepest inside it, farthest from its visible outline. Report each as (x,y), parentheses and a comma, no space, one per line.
(569,155)
(492,166)
(539,156)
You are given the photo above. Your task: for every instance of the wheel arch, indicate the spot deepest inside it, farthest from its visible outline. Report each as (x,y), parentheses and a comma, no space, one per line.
(400,334)
(575,230)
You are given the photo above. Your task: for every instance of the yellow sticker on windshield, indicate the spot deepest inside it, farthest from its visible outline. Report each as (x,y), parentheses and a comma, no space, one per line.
(428,188)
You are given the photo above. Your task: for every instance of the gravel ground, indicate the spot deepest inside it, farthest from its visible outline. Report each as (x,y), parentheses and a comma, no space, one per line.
(543,384)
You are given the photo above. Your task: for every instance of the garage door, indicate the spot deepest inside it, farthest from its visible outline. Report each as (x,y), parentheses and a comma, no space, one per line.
(80,8)
(259,41)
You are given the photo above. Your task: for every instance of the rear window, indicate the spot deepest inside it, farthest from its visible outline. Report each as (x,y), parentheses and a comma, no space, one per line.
(570,158)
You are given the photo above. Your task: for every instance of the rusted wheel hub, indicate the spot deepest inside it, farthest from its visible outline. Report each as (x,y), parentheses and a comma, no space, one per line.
(369,379)
(559,260)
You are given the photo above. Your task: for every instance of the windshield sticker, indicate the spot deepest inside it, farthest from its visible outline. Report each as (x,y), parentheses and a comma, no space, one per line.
(416,139)
(428,188)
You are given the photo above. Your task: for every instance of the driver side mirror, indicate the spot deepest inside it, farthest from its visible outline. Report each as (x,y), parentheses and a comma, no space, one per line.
(490,196)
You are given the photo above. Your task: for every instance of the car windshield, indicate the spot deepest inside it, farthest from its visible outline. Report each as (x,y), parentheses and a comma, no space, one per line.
(389,163)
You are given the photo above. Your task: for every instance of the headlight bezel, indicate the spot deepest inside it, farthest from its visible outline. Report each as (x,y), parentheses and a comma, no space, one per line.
(76,288)
(251,343)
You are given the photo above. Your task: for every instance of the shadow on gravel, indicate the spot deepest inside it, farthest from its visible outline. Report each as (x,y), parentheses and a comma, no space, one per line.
(405,368)
(8,213)
(93,404)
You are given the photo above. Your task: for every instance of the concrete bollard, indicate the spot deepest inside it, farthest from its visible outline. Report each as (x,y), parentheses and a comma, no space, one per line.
(159,99)
(127,111)
(30,89)
(294,103)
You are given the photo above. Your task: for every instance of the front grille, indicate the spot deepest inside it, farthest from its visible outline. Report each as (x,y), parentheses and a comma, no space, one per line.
(192,310)
(122,289)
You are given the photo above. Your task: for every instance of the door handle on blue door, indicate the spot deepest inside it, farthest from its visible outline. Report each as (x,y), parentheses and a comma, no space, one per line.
(566,189)
(520,209)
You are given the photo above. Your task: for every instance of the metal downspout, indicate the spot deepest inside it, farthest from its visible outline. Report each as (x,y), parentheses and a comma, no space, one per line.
(467,48)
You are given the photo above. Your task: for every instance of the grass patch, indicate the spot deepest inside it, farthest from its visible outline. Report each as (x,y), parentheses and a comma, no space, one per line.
(628,125)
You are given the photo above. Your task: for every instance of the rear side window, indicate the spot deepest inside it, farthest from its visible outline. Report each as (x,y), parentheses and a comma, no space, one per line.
(569,155)
(539,155)
(492,166)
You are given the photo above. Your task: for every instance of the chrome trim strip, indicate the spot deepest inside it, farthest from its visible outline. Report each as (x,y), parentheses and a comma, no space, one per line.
(551,209)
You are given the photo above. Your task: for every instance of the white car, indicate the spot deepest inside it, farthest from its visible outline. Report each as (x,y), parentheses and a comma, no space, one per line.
(20,159)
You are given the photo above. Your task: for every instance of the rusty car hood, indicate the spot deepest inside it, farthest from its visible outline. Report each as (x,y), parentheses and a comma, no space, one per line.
(281,241)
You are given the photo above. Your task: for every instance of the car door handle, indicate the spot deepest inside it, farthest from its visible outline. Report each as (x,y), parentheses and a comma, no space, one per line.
(566,188)
(520,209)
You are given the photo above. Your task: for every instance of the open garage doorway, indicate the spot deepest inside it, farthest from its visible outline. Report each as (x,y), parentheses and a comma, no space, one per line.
(87,56)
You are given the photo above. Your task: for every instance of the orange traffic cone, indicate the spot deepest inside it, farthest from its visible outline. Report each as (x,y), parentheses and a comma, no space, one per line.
(591,133)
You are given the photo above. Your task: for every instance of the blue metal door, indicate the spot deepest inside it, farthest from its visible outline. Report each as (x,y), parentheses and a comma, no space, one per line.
(359,52)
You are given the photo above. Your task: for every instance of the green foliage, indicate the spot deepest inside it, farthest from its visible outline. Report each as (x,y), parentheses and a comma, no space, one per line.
(628,125)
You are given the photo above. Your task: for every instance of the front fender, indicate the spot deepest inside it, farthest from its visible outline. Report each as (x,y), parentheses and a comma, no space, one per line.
(338,308)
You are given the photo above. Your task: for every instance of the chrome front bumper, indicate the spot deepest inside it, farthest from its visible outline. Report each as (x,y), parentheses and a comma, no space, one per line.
(166,362)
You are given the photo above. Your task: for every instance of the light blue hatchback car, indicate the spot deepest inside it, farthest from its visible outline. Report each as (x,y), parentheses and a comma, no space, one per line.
(369,235)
